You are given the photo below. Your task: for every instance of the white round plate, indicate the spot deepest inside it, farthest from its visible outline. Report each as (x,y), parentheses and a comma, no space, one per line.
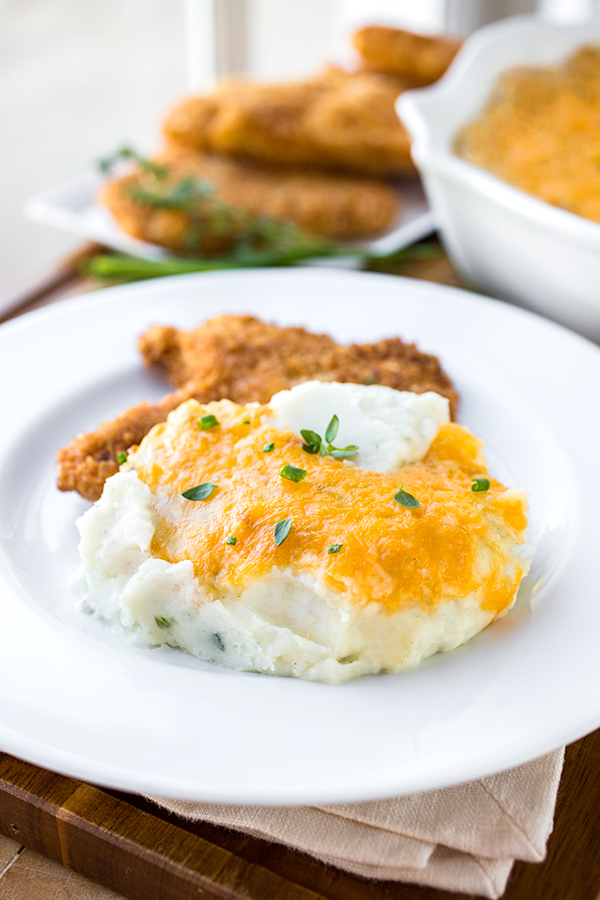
(74,699)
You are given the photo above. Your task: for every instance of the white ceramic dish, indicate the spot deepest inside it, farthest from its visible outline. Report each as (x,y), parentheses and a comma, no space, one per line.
(72,207)
(74,699)
(501,239)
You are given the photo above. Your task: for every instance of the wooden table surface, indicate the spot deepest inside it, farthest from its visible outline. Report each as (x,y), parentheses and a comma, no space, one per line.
(61,838)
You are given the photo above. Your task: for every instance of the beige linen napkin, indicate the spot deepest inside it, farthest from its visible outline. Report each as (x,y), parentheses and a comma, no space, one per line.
(463,838)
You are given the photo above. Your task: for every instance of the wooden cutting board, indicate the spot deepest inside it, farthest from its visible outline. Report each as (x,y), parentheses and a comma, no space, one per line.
(144,853)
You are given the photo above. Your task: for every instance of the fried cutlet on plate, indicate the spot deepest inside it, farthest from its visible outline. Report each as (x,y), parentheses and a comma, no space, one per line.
(339,120)
(420,59)
(335,206)
(244,360)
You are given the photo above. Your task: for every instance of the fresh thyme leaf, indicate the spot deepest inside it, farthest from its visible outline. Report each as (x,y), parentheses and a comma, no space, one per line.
(163,622)
(200,492)
(231,540)
(282,529)
(207,422)
(332,430)
(293,473)
(268,447)
(218,641)
(323,450)
(311,448)
(480,484)
(107,162)
(157,170)
(406,499)
(343,452)
(121,458)
(335,548)
(370,380)
(311,437)
(246,422)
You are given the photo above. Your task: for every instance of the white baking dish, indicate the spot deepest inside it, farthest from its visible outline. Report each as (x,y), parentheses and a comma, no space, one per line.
(501,239)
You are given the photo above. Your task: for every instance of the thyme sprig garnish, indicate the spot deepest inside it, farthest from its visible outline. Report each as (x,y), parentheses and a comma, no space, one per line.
(239,232)
(127,154)
(314,443)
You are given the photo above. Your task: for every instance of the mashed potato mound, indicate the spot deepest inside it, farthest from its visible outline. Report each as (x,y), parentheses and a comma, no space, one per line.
(359,584)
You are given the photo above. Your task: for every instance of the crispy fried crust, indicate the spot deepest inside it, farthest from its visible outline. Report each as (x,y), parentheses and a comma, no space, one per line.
(338,120)
(418,59)
(245,360)
(335,206)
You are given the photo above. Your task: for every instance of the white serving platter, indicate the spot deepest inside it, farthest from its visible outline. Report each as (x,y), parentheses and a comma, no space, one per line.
(72,207)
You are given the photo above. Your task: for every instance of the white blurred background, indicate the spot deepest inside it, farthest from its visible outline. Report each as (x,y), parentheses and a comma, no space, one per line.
(79,78)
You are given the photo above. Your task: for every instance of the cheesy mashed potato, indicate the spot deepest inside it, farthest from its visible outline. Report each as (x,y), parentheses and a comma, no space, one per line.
(541,132)
(326,575)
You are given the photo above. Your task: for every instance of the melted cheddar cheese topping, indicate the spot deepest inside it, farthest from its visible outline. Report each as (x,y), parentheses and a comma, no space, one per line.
(454,543)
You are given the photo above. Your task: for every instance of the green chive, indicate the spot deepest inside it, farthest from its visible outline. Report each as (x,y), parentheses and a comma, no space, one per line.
(121,458)
(268,447)
(231,540)
(282,529)
(332,429)
(218,641)
(480,484)
(293,473)
(406,499)
(200,492)
(207,422)
(162,622)
(335,548)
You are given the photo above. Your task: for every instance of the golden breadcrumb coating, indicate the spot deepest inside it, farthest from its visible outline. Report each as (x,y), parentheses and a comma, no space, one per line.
(337,120)
(418,59)
(244,360)
(335,206)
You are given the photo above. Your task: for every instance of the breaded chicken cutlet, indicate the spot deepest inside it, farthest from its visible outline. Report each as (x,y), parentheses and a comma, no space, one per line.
(333,206)
(244,360)
(338,120)
(416,58)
